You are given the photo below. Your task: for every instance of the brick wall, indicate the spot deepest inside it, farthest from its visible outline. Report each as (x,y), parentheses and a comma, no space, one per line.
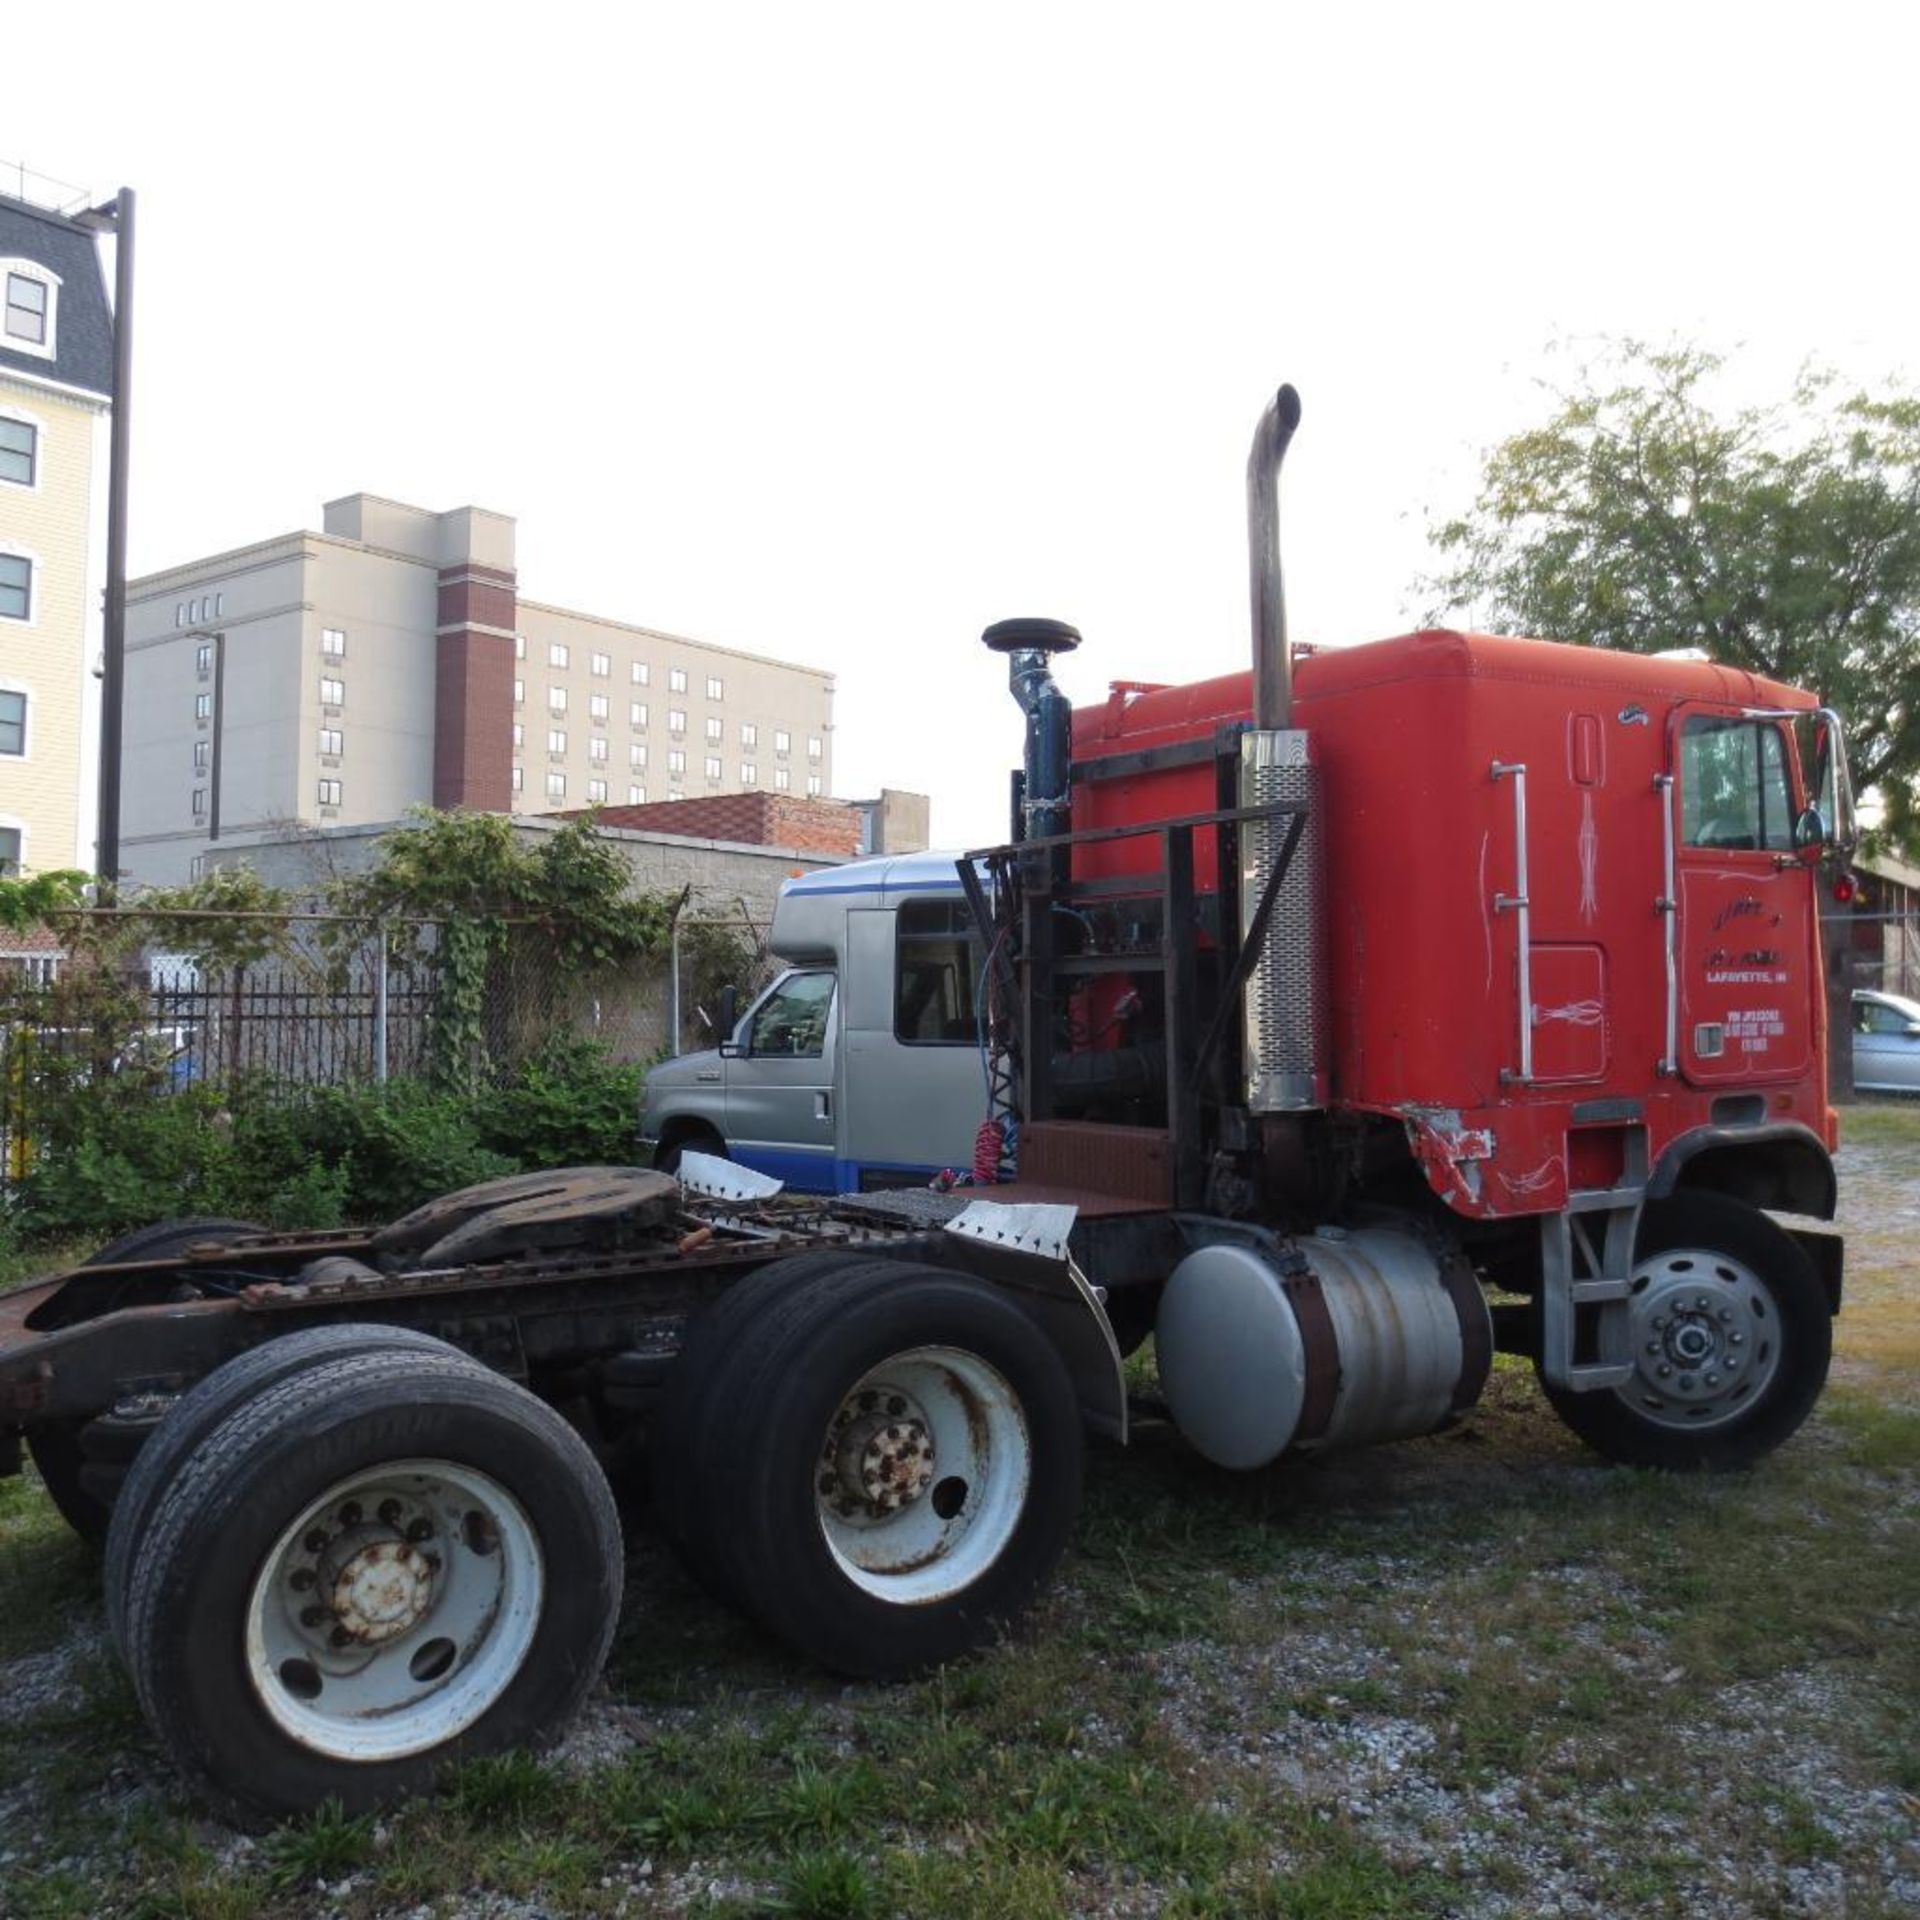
(755,819)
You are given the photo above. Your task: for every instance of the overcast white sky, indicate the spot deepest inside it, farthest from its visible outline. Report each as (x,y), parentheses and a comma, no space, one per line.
(836,332)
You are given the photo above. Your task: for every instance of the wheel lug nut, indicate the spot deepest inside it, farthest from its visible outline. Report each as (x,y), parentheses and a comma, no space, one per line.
(1686,1383)
(1666,1373)
(896,1406)
(1726,1316)
(340,1637)
(313,1616)
(316,1541)
(1736,1339)
(300,1579)
(1659,1323)
(350,1514)
(389,1513)
(1653,1346)
(420,1530)
(1713,1379)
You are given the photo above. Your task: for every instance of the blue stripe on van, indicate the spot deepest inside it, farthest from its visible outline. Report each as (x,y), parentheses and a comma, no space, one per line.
(820,1172)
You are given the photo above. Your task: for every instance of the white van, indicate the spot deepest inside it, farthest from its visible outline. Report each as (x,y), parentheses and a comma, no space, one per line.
(861,1066)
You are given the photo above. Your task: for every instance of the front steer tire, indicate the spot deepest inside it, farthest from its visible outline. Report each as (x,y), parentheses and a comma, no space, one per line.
(1708,1269)
(968,1402)
(460,1526)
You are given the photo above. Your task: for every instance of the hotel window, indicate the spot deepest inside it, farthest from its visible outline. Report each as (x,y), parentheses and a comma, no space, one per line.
(749,774)
(676,720)
(782,779)
(333,643)
(19,451)
(333,693)
(203,659)
(199,803)
(642,673)
(676,761)
(556,740)
(16,587)
(597,707)
(203,706)
(715,728)
(636,755)
(813,784)
(519,693)
(596,791)
(519,646)
(30,311)
(519,736)
(749,734)
(519,781)
(782,740)
(329,793)
(332,741)
(716,688)
(556,699)
(636,713)
(556,786)
(813,746)
(602,666)
(713,767)
(676,679)
(597,750)
(636,796)
(13,723)
(556,655)
(202,754)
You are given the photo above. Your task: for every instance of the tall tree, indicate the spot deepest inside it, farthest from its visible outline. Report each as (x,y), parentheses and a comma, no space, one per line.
(1784,538)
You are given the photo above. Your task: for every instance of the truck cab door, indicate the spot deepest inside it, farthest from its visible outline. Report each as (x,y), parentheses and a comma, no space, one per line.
(1743,946)
(780,1105)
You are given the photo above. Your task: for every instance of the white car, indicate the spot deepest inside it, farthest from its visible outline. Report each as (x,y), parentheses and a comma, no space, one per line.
(1886,1042)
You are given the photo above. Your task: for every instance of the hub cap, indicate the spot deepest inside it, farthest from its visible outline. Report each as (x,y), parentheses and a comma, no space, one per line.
(922,1475)
(395,1610)
(1706,1339)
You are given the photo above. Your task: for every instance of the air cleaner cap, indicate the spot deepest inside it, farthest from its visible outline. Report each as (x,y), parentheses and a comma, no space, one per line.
(1031,636)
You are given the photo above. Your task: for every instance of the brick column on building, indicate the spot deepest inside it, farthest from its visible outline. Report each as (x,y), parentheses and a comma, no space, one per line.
(473,688)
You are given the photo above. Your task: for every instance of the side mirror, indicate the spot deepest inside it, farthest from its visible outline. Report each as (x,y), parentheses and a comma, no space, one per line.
(1913,1029)
(1810,835)
(732,1050)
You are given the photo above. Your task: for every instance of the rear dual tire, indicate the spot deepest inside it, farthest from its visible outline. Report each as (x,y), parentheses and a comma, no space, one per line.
(379,1564)
(886,1467)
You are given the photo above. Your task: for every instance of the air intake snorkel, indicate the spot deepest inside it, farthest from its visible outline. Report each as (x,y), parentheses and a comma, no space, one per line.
(1044,807)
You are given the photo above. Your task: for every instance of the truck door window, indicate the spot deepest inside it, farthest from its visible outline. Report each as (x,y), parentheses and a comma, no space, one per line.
(792,1021)
(936,961)
(1734,791)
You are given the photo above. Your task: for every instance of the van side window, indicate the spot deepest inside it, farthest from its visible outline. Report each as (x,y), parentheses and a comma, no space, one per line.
(1734,792)
(793,1021)
(936,963)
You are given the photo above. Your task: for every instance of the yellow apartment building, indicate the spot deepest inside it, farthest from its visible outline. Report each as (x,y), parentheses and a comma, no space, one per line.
(56,380)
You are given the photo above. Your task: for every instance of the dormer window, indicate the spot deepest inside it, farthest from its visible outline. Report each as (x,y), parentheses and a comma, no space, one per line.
(32,308)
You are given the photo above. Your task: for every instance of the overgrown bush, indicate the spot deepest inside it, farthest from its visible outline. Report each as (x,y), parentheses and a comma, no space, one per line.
(569,1104)
(119,1151)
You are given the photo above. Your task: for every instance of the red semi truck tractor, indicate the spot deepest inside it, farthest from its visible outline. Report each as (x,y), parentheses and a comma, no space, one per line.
(1458,995)
(1452,991)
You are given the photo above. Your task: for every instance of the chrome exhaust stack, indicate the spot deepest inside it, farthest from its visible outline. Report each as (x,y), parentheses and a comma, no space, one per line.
(1285,1015)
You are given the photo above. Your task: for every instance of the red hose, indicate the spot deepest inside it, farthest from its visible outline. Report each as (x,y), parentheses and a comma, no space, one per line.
(987,1146)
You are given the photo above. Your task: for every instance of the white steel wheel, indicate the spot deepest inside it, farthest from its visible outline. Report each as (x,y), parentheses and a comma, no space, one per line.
(1706,1339)
(923,1475)
(395,1610)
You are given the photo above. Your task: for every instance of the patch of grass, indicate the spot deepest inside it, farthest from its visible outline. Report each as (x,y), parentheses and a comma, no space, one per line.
(827,1884)
(327,1845)
(504,1786)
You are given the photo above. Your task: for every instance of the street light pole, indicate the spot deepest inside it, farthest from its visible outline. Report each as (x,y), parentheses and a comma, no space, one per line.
(116,217)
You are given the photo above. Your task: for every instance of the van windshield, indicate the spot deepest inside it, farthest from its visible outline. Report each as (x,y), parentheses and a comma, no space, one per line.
(792,1020)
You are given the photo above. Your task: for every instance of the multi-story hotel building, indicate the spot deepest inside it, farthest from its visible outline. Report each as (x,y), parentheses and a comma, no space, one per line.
(390,660)
(56,380)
